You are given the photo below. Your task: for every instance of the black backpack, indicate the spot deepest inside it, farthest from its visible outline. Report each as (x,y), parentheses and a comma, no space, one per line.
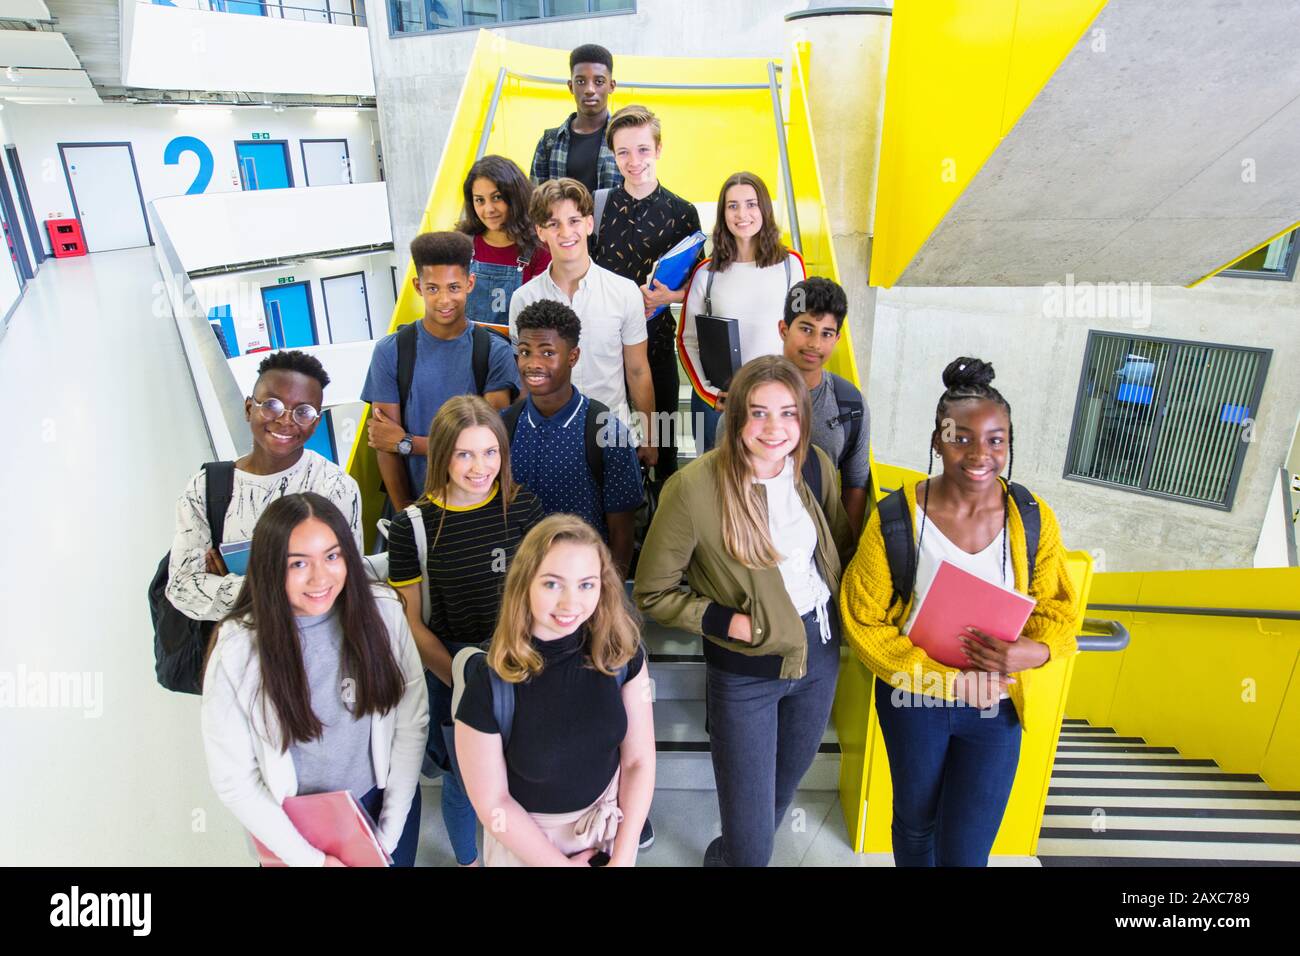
(900,548)
(180,642)
(406,339)
(590,433)
(851,412)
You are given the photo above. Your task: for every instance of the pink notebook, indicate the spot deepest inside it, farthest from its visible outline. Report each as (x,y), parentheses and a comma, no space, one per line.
(958,598)
(334,823)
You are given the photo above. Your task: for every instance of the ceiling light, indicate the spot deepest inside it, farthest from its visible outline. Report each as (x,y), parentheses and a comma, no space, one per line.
(279,107)
(12,75)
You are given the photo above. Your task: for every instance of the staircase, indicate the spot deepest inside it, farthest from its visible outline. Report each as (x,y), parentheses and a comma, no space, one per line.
(1118,801)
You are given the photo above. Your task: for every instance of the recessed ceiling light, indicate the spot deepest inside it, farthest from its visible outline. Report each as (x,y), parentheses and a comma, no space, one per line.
(12,75)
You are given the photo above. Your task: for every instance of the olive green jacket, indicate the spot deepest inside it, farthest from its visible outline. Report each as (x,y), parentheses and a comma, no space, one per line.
(685,537)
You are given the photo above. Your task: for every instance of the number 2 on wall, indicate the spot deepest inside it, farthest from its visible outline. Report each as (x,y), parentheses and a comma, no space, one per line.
(191,144)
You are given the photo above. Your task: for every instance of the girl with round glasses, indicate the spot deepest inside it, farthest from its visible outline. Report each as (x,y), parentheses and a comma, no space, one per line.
(282,414)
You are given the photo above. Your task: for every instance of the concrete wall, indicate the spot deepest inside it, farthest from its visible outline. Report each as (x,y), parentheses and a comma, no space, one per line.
(418,77)
(1039,358)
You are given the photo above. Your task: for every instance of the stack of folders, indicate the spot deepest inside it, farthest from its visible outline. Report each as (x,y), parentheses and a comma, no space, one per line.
(333,823)
(958,599)
(235,554)
(674,266)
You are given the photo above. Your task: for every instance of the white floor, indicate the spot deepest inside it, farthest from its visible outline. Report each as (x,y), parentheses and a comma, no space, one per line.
(104,431)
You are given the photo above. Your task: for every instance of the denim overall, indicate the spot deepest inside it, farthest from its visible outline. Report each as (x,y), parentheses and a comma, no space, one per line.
(490,278)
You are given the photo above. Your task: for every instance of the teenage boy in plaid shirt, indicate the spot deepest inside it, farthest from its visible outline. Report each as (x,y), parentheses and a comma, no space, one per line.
(577,148)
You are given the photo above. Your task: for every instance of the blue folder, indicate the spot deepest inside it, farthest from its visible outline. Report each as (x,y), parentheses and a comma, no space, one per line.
(674,266)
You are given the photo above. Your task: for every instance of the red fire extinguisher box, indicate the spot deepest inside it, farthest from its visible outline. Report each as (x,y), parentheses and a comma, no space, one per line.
(65,237)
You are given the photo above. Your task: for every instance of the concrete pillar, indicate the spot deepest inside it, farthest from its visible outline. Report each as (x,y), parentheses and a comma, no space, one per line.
(850,50)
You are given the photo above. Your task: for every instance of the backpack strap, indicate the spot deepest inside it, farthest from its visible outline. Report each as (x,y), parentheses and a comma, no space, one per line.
(708,292)
(1032,519)
(482,352)
(413,512)
(592,428)
(510,417)
(787,273)
(812,472)
(503,704)
(851,411)
(900,549)
(219,478)
(407,336)
(601,198)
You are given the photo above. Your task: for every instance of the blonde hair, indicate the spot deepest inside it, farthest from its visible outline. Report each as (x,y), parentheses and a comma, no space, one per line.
(553,192)
(457,414)
(630,117)
(614,632)
(745,532)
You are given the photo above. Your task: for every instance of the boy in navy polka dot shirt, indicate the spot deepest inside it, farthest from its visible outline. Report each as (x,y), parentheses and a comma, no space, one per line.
(548,448)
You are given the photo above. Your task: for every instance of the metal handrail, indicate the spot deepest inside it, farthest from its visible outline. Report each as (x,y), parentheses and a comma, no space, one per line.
(491,115)
(632,85)
(792,210)
(1265,613)
(1106,635)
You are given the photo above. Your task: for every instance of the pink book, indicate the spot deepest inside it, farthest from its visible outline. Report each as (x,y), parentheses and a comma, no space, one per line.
(957,599)
(335,824)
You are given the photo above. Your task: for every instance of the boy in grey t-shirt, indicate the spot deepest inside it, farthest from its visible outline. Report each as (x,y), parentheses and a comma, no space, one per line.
(814,315)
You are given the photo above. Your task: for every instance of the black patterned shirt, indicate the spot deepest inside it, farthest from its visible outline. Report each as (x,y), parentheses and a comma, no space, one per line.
(634,233)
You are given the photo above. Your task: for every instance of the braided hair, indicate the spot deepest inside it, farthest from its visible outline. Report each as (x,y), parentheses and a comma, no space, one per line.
(969,379)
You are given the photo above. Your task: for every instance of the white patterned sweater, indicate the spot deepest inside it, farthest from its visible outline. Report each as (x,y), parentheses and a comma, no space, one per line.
(208,597)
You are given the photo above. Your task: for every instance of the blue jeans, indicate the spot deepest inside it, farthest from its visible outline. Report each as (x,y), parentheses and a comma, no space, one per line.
(952,766)
(457,812)
(703,412)
(404,853)
(764,733)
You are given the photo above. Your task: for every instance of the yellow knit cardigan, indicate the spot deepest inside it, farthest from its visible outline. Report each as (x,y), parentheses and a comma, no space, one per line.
(872,615)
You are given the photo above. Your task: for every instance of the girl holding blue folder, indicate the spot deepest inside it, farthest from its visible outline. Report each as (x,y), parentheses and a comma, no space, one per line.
(314,685)
(952,740)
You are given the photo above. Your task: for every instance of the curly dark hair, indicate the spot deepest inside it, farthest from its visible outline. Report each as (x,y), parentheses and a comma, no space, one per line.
(551,315)
(442,249)
(515,188)
(294,361)
(591,53)
(818,296)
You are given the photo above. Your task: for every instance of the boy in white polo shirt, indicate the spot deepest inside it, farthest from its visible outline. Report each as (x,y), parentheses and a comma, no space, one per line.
(612,312)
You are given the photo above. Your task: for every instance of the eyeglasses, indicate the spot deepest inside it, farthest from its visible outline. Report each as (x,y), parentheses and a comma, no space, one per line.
(273,408)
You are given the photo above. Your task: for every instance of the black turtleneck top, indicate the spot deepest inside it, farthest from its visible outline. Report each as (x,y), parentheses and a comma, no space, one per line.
(569,724)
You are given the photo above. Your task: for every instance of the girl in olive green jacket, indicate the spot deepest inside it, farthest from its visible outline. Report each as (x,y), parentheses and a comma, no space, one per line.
(757,527)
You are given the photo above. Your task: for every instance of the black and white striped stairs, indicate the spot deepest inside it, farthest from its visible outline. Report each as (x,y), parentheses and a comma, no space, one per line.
(1118,801)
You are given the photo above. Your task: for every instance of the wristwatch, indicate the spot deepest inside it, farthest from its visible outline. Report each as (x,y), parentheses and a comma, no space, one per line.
(404,446)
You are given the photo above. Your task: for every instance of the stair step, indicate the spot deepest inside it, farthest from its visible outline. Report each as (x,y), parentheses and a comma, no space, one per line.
(677,680)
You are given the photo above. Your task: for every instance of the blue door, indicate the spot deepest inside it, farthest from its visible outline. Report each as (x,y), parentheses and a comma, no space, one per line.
(322,439)
(264,165)
(289,316)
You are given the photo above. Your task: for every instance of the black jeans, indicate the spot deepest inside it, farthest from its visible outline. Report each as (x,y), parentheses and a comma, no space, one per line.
(661,350)
(764,733)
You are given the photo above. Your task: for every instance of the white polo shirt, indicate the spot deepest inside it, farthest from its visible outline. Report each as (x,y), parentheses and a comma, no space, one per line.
(612,314)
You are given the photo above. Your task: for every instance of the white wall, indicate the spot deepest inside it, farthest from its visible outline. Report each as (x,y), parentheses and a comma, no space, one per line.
(171,48)
(227,229)
(242,291)
(37,132)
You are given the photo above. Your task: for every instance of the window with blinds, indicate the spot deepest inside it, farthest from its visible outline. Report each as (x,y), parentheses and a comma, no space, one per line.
(1164,417)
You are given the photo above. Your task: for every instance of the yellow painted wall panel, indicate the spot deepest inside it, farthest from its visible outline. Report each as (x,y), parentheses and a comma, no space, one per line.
(1281,767)
(961,72)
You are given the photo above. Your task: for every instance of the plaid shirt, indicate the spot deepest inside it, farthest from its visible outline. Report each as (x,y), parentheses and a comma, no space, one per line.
(551,161)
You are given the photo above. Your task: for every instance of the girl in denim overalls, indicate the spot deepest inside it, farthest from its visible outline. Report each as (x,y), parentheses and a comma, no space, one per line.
(506,249)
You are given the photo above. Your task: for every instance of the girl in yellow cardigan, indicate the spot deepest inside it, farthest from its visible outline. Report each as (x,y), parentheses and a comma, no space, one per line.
(953,734)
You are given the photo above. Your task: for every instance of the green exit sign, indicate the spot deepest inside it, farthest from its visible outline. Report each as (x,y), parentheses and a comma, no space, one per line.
(284,280)
(261,136)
